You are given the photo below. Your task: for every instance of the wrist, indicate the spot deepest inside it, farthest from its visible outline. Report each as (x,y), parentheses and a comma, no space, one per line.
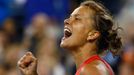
(32,74)
(35,73)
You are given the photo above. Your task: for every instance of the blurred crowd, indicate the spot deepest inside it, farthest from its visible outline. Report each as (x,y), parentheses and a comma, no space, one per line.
(37,26)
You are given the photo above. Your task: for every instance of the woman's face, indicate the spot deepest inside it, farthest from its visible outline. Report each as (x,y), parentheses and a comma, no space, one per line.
(77,27)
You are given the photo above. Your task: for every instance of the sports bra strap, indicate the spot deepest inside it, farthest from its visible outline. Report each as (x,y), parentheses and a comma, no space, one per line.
(89,60)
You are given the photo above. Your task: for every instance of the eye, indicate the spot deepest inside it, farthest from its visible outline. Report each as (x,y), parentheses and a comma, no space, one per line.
(77,18)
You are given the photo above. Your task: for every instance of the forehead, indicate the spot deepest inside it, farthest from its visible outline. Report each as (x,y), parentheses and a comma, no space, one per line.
(82,11)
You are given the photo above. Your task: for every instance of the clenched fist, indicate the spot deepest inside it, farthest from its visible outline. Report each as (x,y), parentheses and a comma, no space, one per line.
(28,64)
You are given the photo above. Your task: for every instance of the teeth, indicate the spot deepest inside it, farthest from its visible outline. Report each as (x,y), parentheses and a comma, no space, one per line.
(67,30)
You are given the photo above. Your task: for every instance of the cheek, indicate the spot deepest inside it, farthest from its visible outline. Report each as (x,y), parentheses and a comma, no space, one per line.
(81,31)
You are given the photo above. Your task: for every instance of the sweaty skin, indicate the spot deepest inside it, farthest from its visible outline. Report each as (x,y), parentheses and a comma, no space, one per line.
(81,43)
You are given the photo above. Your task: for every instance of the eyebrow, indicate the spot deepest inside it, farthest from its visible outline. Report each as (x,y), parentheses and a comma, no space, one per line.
(75,15)
(78,15)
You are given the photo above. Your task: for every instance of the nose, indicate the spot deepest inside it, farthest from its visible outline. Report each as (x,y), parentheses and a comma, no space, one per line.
(66,21)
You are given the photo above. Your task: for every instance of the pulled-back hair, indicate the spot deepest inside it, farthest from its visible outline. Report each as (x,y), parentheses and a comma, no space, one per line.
(104,23)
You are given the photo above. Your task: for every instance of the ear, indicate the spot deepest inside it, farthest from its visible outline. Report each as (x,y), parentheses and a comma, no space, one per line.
(93,35)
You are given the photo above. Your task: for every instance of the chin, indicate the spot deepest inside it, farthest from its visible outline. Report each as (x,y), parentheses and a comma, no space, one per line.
(63,45)
(68,46)
(68,43)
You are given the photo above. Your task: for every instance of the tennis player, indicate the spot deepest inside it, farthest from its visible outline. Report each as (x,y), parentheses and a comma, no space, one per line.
(87,32)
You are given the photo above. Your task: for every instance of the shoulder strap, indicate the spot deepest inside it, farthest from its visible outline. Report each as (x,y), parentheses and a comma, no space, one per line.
(95,57)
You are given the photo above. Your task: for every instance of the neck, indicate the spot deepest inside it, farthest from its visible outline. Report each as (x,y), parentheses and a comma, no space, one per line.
(83,53)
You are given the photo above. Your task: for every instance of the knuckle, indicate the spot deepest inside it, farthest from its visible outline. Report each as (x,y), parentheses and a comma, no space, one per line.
(18,63)
(29,53)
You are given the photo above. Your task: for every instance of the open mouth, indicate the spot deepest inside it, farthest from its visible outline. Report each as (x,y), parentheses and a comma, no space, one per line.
(67,32)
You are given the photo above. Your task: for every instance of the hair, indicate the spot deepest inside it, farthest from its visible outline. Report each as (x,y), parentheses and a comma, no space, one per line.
(104,23)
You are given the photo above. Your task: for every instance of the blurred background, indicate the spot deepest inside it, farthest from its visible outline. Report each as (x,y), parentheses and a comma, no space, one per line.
(37,26)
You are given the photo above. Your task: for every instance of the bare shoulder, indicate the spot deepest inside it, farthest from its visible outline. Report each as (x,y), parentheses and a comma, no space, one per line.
(95,68)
